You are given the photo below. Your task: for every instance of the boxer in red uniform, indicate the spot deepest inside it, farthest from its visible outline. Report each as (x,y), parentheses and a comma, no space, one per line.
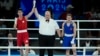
(21,26)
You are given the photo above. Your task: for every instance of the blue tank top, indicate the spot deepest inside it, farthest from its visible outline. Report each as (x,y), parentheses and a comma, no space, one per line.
(68,29)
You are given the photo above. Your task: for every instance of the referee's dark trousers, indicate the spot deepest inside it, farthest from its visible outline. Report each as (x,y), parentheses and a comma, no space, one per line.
(46,41)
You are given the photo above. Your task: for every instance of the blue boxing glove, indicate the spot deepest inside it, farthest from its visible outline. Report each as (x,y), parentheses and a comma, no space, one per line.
(73,41)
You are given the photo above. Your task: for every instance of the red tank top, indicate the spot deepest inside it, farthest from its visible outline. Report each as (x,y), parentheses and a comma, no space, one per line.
(21,23)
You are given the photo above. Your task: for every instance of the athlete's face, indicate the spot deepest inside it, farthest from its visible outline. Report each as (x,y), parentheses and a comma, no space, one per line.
(47,15)
(69,18)
(20,13)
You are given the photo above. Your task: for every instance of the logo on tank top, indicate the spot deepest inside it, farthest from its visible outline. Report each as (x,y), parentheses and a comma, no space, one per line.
(71,28)
(23,21)
(26,41)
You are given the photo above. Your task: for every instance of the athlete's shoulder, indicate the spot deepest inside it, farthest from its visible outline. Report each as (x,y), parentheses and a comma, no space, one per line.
(74,24)
(63,23)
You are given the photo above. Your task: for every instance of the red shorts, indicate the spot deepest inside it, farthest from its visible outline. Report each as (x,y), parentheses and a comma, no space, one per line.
(22,38)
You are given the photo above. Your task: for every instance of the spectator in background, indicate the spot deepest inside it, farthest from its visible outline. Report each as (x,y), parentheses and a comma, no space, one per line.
(2,33)
(97,52)
(2,25)
(68,10)
(88,25)
(10,41)
(97,15)
(89,15)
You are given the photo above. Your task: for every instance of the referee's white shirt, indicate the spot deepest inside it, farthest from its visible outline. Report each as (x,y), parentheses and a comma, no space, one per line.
(47,28)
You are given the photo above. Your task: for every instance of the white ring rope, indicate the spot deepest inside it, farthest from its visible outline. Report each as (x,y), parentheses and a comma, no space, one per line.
(60,29)
(35,38)
(14,47)
(36,47)
(55,20)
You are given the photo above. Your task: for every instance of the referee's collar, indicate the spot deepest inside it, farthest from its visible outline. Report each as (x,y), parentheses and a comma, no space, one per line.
(48,20)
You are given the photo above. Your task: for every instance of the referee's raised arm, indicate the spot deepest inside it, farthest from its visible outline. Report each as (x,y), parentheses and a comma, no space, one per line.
(38,16)
(36,12)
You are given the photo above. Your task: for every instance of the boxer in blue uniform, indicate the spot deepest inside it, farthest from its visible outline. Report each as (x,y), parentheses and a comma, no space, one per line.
(69,34)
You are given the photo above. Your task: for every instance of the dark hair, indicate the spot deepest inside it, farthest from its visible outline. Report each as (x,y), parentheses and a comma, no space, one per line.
(69,14)
(20,9)
(51,11)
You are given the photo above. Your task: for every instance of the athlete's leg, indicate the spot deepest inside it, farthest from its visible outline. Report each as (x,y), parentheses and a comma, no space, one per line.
(26,50)
(21,52)
(19,42)
(74,49)
(67,52)
(66,43)
(26,42)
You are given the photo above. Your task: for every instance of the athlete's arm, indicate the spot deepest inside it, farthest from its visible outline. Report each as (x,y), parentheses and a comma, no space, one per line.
(63,29)
(74,34)
(27,16)
(15,23)
(57,29)
(58,32)
(32,11)
(74,30)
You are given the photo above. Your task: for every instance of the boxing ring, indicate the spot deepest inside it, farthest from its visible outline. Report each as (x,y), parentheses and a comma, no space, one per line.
(33,47)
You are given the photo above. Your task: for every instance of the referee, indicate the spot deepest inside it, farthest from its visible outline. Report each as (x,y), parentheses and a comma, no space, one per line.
(47,30)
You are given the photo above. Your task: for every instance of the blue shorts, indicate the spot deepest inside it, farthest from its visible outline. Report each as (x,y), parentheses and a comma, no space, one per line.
(67,41)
